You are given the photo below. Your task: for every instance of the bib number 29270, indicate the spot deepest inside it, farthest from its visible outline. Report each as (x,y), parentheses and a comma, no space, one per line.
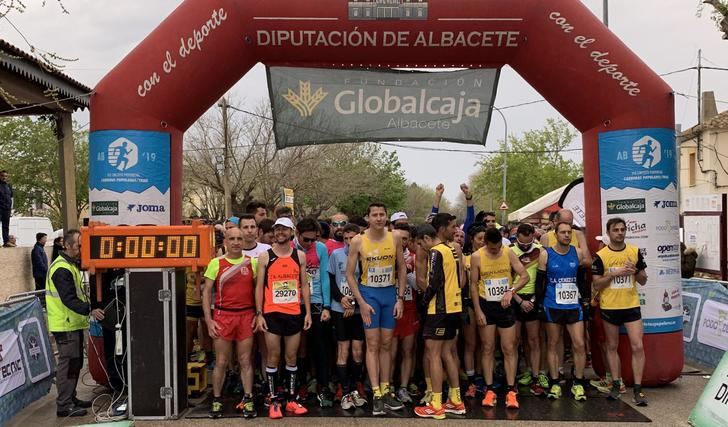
(285,292)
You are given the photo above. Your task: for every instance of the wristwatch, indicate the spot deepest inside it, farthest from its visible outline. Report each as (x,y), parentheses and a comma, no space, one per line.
(327,307)
(258,313)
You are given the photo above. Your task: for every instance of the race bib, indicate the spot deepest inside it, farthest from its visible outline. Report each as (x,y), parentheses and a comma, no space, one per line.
(285,292)
(380,276)
(345,289)
(620,282)
(567,293)
(494,289)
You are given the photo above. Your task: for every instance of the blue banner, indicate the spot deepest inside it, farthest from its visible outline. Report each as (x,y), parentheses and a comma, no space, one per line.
(26,359)
(129,160)
(705,320)
(638,158)
(129,177)
(638,180)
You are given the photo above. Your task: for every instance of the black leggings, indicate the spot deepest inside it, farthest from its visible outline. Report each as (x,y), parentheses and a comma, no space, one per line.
(319,346)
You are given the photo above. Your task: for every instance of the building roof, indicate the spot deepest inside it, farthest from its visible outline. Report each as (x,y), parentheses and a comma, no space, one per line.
(718,122)
(22,68)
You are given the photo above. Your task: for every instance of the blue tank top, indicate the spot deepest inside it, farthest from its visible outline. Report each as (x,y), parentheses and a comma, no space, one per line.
(561,289)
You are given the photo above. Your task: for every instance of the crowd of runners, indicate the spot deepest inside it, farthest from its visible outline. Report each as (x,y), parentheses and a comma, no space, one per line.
(377,311)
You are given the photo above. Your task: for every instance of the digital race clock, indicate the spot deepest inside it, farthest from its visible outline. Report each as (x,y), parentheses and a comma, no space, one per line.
(145,246)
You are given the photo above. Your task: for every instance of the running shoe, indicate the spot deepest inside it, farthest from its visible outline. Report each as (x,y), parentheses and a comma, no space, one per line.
(347,402)
(339,393)
(490,399)
(302,393)
(216,408)
(578,391)
(428,411)
(471,391)
(536,389)
(378,406)
(413,389)
(247,407)
(512,400)
(543,381)
(427,398)
(639,398)
(391,402)
(525,378)
(274,410)
(295,408)
(403,395)
(359,401)
(601,384)
(361,389)
(614,391)
(325,398)
(453,408)
(555,392)
(606,389)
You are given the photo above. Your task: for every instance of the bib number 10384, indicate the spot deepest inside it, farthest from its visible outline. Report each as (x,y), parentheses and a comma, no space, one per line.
(494,289)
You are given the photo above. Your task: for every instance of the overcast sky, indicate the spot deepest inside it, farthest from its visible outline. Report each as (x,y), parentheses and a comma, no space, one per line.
(665,33)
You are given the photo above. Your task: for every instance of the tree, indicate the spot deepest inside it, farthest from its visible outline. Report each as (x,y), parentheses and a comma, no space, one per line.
(419,203)
(29,152)
(719,14)
(323,177)
(535,166)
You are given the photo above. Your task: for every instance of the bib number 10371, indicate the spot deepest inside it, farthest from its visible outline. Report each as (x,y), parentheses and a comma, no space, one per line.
(380,276)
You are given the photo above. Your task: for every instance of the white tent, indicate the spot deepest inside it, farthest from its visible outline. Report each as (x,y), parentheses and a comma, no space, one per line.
(537,205)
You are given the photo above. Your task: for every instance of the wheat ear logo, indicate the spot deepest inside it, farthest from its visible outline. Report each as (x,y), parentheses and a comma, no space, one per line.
(304,101)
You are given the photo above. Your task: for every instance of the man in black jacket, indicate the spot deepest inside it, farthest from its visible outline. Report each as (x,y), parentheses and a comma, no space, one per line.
(39,261)
(6,205)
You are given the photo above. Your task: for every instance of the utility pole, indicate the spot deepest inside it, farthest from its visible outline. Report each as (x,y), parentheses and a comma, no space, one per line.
(226,158)
(700,88)
(605,12)
(505,161)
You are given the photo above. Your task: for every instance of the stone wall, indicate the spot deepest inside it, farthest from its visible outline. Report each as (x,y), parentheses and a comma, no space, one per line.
(16,275)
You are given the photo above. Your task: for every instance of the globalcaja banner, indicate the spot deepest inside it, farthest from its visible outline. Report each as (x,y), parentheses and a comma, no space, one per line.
(27,366)
(325,106)
(129,176)
(638,179)
(705,320)
(712,407)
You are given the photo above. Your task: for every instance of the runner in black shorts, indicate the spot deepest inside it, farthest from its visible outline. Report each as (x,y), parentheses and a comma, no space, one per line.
(348,327)
(491,275)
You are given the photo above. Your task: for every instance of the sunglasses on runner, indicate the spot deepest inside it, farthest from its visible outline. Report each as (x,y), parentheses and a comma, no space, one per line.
(338,223)
(308,239)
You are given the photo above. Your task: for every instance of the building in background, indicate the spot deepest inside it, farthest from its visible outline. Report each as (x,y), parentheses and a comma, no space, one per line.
(387,9)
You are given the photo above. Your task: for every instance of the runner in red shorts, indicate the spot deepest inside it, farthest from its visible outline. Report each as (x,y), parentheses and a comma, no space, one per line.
(230,316)
(405,332)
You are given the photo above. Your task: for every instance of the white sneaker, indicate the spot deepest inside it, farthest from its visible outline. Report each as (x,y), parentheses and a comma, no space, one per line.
(403,395)
(358,400)
(347,402)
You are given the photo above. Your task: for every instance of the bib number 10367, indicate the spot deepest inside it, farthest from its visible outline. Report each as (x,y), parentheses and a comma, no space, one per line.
(567,293)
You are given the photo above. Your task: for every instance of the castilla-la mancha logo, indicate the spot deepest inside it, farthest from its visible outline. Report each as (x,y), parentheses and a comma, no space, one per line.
(304,101)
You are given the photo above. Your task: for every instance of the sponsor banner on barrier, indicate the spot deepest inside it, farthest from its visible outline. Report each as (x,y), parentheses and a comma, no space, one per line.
(129,177)
(320,106)
(638,180)
(27,366)
(703,333)
(713,325)
(712,407)
(12,373)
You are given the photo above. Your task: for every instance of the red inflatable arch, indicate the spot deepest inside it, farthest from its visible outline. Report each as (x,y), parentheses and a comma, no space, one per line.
(559,47)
